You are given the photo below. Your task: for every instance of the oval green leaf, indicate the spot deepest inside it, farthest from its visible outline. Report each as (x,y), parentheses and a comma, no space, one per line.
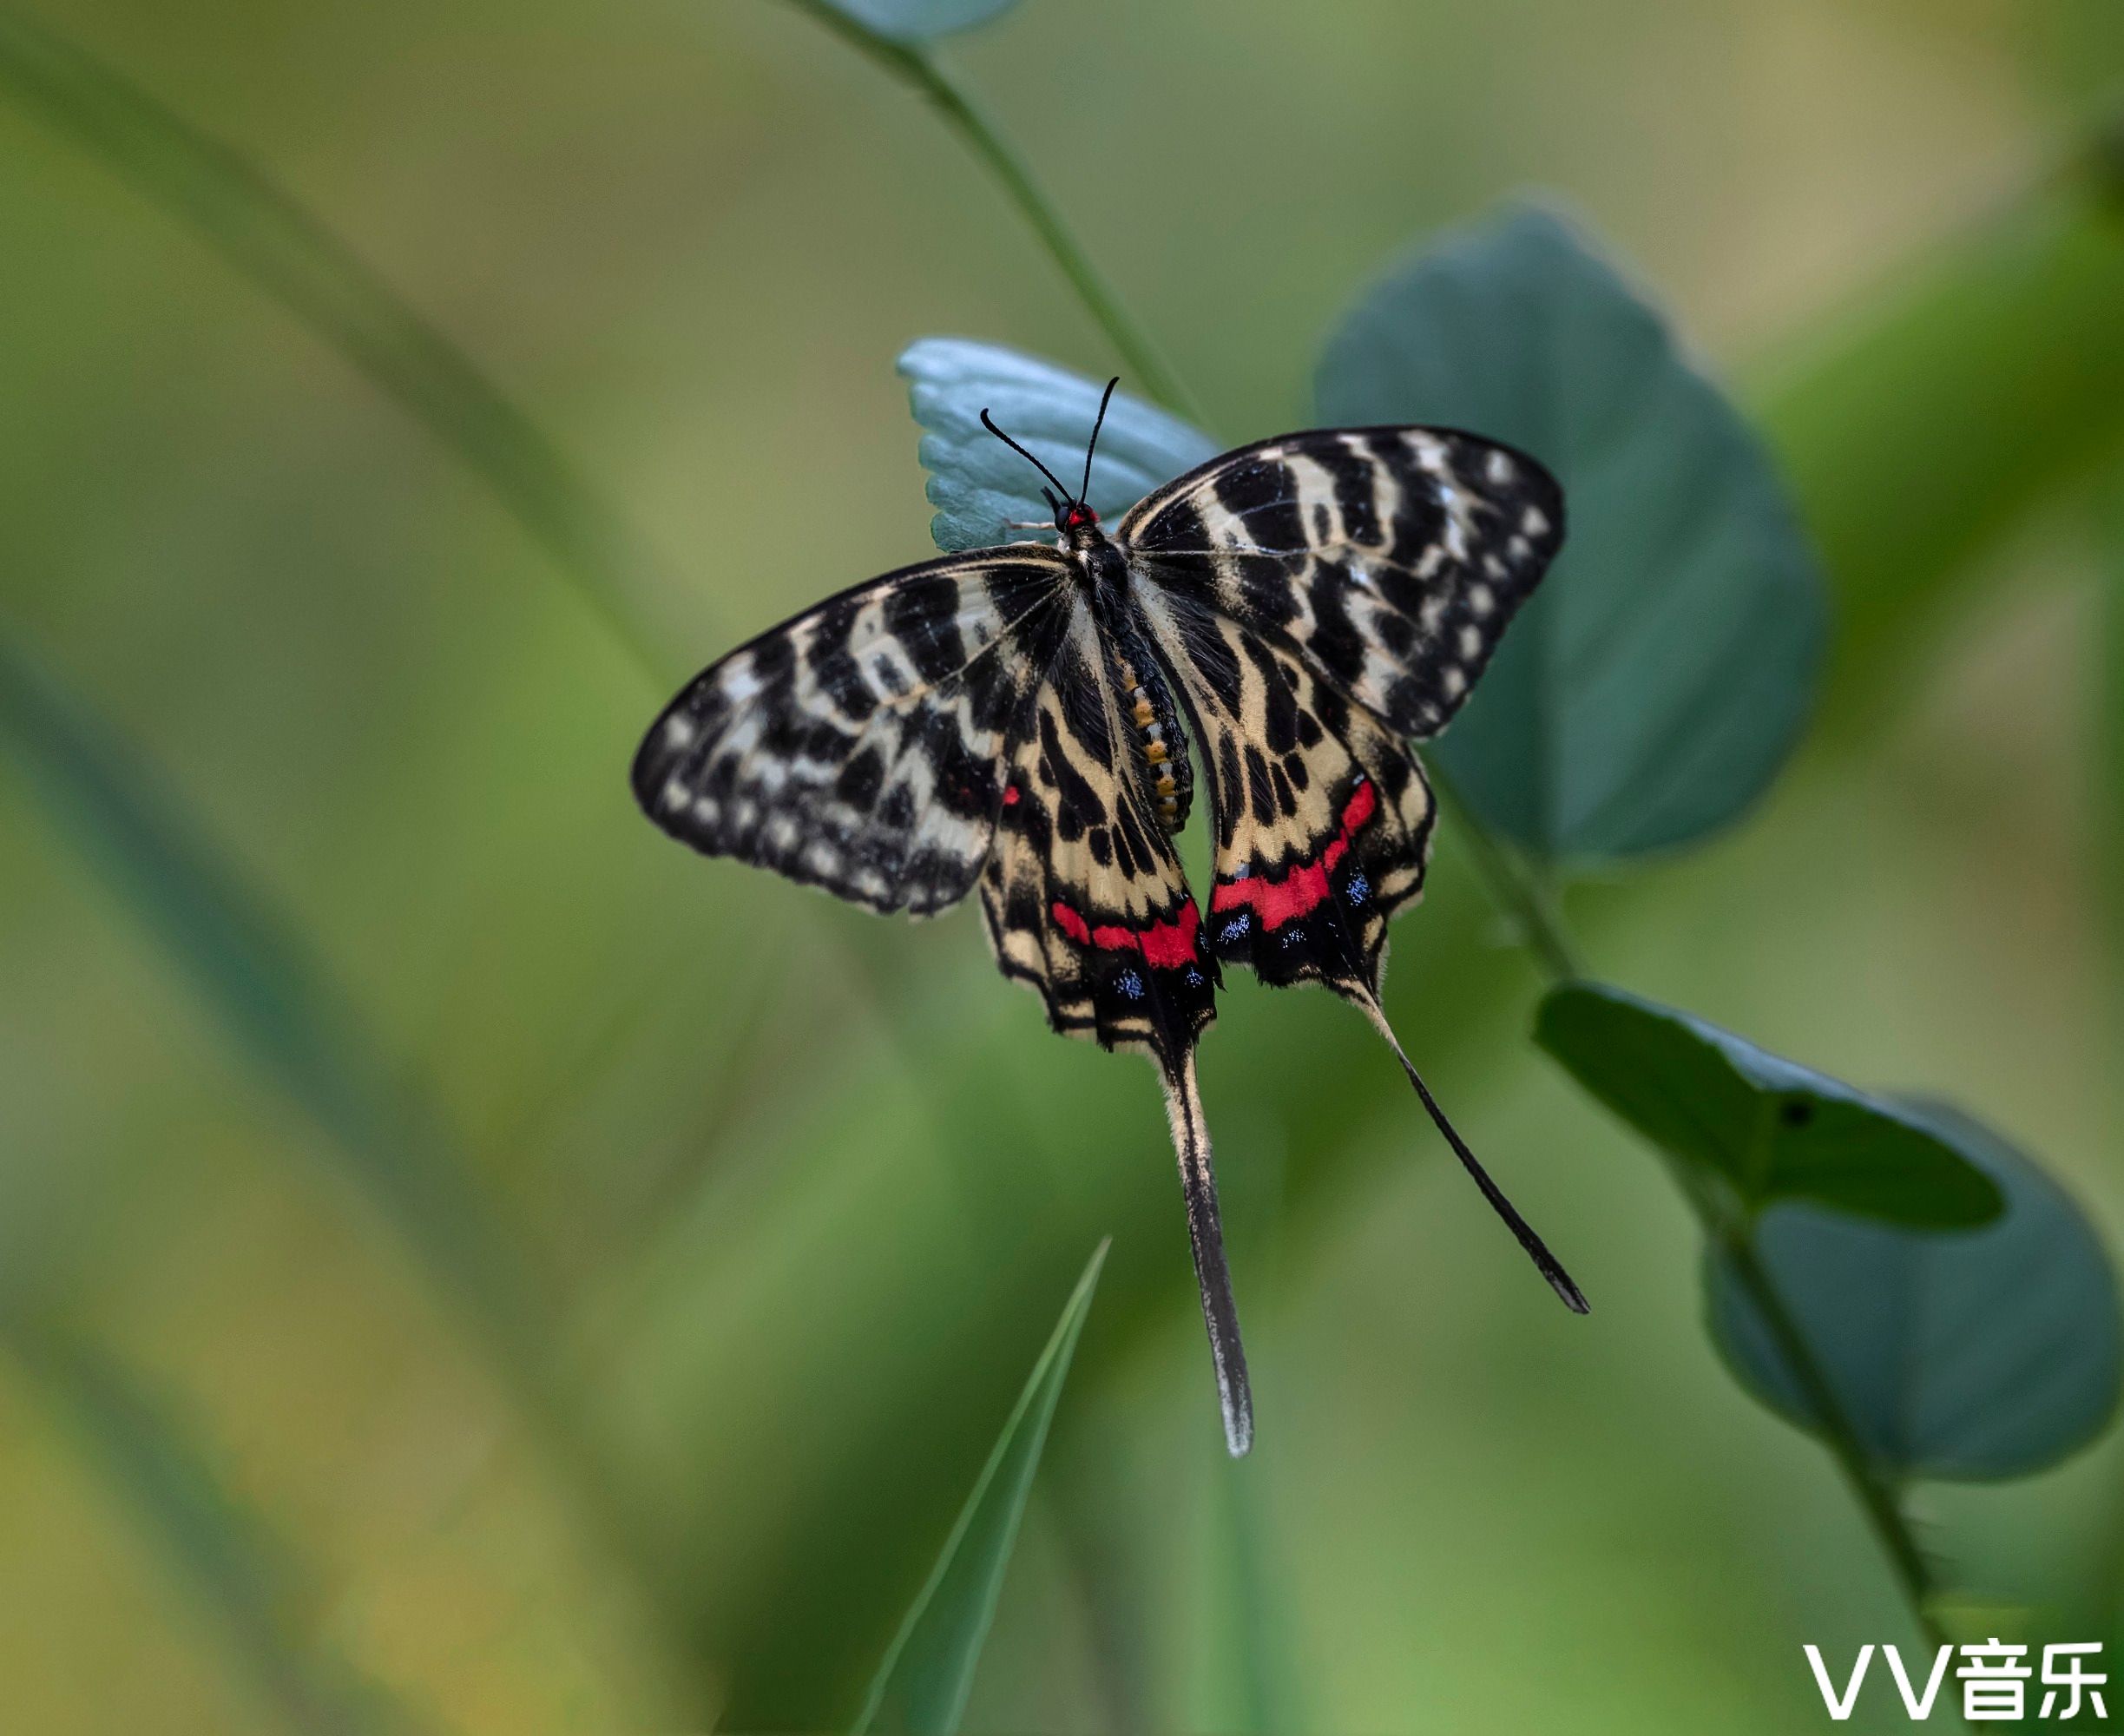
(922,1684)
(915,21)
(978,484)
(1664,669)
(1762,1126)
(1988,1354)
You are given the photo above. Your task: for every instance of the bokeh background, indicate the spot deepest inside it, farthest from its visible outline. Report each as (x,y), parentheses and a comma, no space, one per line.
(787,1198)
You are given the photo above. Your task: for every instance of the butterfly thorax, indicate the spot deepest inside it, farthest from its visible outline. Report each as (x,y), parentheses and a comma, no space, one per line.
(1146,705)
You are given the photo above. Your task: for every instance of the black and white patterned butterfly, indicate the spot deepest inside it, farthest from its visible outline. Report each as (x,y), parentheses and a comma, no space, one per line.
(1019,719)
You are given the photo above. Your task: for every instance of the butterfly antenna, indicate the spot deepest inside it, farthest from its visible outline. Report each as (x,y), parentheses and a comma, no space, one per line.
(1092,445)
(989,423)
(1537,1250)
(1198,1182)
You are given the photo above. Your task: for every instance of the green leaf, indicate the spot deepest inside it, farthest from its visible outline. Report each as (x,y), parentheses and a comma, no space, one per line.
(916,21)
(977,483)
(1767,1128)
(1664,669)
(1990,1353)
(234,1570)
(922,1684)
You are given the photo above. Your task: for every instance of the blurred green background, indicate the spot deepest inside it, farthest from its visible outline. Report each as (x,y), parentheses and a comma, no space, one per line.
(782,1200)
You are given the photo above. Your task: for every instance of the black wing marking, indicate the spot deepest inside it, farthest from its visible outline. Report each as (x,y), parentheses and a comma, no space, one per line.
(1087,902)
(859,747)
(1084,897)
(1324,819)
(1317,597)
(1393,557)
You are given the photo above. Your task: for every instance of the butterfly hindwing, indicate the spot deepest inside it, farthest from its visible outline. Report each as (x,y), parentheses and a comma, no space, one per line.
(1084,896)
(1323,817)
(1392,557)
(860,747)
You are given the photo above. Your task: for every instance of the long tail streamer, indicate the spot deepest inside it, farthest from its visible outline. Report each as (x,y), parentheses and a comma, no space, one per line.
(1537,1250)
(1198,1181)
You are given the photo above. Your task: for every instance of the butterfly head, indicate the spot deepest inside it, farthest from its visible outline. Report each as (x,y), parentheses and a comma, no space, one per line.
(1075,517)
(1075,521)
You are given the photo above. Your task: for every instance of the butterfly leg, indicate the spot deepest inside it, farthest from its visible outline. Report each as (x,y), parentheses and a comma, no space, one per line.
(1198,1182)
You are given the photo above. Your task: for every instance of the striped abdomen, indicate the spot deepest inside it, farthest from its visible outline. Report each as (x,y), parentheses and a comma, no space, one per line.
(1168,779)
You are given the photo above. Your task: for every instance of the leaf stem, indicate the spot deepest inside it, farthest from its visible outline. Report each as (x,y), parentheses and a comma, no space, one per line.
(914,65)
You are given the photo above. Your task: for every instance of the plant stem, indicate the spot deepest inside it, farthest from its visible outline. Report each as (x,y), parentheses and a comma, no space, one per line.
(914,65)
(1876,1497)
(1528,899)
(1525,897)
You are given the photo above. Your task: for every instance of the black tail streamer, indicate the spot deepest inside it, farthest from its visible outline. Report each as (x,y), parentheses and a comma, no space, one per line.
(1537,1250)
(1198,1181)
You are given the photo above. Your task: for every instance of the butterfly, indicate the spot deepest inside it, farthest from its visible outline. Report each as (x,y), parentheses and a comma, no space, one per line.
(1025,722)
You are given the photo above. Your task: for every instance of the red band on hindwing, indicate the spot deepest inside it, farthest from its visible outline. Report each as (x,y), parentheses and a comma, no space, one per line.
(1305,886)
(1166,945)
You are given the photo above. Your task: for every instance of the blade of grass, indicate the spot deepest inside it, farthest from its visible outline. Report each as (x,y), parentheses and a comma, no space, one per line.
(1252,1678)
(927,1673)
(254,973)
(269,236)
(290,253)
(233,1570)
(279,1007)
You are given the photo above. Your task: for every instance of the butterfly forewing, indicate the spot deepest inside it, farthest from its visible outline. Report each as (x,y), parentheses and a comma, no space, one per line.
(860,747)
(1393,557)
